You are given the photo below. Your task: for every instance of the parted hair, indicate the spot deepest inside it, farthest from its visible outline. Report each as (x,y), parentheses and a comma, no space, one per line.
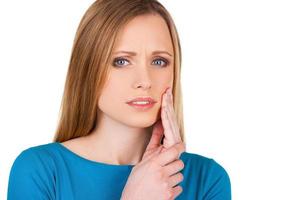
(90,60)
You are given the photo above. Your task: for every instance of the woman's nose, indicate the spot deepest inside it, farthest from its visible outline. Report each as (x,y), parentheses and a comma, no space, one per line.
(143,77)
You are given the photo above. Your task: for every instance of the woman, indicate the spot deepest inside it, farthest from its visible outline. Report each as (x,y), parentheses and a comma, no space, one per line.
(121,133)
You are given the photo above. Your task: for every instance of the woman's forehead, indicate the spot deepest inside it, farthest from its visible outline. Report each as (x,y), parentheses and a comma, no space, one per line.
(146,31)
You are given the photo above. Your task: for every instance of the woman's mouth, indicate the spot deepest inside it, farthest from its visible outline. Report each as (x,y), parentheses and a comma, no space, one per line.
(141,105)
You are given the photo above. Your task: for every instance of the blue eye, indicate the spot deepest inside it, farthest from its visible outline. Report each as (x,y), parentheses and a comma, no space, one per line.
(165,61)
(118,62)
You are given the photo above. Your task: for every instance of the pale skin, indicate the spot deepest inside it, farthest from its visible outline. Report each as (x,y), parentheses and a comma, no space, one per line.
(157,175)
(121,137)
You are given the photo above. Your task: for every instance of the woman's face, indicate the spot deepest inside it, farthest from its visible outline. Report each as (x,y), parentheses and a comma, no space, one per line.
(142,74)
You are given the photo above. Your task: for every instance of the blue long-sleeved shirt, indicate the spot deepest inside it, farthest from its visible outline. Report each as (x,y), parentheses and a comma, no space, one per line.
(52,171)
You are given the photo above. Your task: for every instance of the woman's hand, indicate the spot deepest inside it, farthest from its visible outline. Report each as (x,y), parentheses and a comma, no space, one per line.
(157,175)
(168,117)
(169,129)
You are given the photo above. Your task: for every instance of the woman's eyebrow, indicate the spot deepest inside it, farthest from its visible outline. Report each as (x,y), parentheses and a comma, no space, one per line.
(153,53)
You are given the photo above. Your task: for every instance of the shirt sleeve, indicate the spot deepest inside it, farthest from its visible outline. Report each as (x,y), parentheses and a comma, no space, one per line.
(30,177)
(218,186)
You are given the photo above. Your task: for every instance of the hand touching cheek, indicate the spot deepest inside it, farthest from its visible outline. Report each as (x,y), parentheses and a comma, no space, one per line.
(168,122)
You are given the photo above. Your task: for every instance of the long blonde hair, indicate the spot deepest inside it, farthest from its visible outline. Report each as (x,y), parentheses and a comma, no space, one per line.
(89,63)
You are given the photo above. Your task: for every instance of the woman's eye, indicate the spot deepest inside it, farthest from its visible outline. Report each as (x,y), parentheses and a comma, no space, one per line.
(165,62)
(119,62)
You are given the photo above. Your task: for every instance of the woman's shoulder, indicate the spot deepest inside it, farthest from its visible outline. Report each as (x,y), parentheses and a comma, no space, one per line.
(198,159)
(38,157)
(208,174)
(204,163)
(42,151)
(32,173)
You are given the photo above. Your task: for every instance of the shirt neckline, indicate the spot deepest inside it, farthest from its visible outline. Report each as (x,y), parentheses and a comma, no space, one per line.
(91,161)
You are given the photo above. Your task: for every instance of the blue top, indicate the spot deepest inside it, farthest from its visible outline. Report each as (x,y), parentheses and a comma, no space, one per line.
(52,171)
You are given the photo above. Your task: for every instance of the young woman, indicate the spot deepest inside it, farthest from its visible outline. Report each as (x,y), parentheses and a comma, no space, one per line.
(121,133)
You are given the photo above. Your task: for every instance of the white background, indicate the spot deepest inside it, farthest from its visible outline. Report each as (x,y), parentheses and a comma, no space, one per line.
(240,76)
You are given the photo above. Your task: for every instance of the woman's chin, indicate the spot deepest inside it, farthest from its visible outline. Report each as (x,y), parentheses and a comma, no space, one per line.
(140,122)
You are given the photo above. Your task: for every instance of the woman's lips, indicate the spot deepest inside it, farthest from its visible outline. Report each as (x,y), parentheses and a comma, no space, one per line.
(142,98)
(141,106)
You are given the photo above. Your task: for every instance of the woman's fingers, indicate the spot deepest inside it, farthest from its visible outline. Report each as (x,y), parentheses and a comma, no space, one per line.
(174,167)
(170,108)
(177,191)
(175,179)
(171,128)
(168,131)
(170,154)
(172,116)
(173,121)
